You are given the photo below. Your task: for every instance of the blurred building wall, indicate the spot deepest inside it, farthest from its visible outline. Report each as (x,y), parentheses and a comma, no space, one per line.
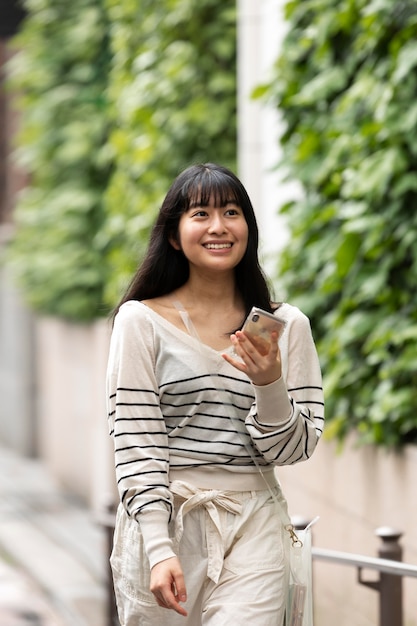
(17,379)
(17,376)
(261,29)
(74,443)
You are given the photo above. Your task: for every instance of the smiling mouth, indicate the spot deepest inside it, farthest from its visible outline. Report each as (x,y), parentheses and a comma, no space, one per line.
(217,246)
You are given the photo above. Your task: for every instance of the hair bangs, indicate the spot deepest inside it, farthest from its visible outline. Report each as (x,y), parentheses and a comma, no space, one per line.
(210,185)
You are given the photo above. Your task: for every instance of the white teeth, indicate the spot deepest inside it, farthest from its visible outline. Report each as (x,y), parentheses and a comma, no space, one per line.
(217,246)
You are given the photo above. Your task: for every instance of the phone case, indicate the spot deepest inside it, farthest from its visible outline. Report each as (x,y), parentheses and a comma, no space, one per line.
(258,327)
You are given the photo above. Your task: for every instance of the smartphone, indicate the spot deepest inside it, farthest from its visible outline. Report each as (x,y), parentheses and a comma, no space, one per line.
(258,327)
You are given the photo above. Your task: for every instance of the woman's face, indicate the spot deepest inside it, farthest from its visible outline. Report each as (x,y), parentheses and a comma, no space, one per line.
(212,237)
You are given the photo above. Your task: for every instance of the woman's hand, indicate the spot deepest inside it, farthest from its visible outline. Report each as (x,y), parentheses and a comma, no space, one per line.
(168,586)
(262,369)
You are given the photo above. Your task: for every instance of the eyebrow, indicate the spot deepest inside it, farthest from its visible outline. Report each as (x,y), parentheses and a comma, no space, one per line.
(198,203)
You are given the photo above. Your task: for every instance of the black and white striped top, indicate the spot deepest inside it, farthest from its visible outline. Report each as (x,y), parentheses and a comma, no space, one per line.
(170,402)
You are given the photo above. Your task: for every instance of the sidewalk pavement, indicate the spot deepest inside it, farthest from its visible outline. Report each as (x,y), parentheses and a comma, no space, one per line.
(53,556)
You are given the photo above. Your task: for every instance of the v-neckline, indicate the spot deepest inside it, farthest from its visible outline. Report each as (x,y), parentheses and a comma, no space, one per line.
(184,333)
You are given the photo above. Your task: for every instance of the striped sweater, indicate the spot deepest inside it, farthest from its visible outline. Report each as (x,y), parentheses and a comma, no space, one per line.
(170,402)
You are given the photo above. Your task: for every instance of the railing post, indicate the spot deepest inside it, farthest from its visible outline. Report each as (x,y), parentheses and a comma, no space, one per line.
(390,586)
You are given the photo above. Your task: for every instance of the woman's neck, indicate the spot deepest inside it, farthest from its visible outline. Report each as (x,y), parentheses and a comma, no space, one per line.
(215,309)
(210,294)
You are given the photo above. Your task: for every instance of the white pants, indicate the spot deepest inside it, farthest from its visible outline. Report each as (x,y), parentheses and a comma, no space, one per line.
(235,564)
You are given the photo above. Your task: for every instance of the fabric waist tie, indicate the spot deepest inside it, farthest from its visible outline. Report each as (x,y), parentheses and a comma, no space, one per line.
(208,498)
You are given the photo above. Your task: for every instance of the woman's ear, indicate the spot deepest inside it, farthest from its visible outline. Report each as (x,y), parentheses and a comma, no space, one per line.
(173,240)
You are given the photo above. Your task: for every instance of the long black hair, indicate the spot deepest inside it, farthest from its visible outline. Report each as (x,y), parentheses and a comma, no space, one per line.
(165,269)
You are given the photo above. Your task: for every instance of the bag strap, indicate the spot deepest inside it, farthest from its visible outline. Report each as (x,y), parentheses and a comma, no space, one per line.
(286,521)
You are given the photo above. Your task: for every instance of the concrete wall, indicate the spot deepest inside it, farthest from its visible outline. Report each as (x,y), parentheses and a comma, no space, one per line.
(17,412)
(17,383)
(73,440)
(52,386)
(355,492)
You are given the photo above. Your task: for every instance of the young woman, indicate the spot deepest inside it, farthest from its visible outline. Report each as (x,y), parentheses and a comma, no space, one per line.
(198,539)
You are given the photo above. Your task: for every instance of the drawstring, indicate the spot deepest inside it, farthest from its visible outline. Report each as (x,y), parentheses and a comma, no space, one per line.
(208,499)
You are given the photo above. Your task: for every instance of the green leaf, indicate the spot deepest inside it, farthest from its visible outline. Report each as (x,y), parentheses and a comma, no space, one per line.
(406,62)
(327,83)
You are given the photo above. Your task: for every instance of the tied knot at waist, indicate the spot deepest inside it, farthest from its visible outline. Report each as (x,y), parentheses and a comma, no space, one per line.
(208,498)
(211,500)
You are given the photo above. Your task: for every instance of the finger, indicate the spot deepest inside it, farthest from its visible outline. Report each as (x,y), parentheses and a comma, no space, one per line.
(237,352)
(274,344)
(167,600)
(178,608)
(239,365)
(250,358)
(250,348)
(259,346)
(176,593)
(171,602)
(160,602)
(179,587)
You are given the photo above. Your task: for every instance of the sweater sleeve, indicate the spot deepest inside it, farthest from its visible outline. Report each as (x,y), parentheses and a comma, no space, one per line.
(138,429)
(286,420)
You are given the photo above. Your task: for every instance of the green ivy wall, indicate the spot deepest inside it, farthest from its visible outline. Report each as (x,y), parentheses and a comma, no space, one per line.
(346,86)
(173,94)
(115,99)
(61,75)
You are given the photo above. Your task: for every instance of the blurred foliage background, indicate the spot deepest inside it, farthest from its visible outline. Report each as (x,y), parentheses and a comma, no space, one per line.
(117,96)
(172,90)
(346,86)
(60,74)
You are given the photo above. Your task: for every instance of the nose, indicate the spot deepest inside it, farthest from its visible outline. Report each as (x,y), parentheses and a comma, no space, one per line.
(217,225)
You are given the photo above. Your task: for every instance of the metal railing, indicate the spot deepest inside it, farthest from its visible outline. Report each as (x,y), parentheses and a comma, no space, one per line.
(389,565)
(385,566)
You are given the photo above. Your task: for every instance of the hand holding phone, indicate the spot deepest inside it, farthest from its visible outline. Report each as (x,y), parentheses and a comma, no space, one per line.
(258,327)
